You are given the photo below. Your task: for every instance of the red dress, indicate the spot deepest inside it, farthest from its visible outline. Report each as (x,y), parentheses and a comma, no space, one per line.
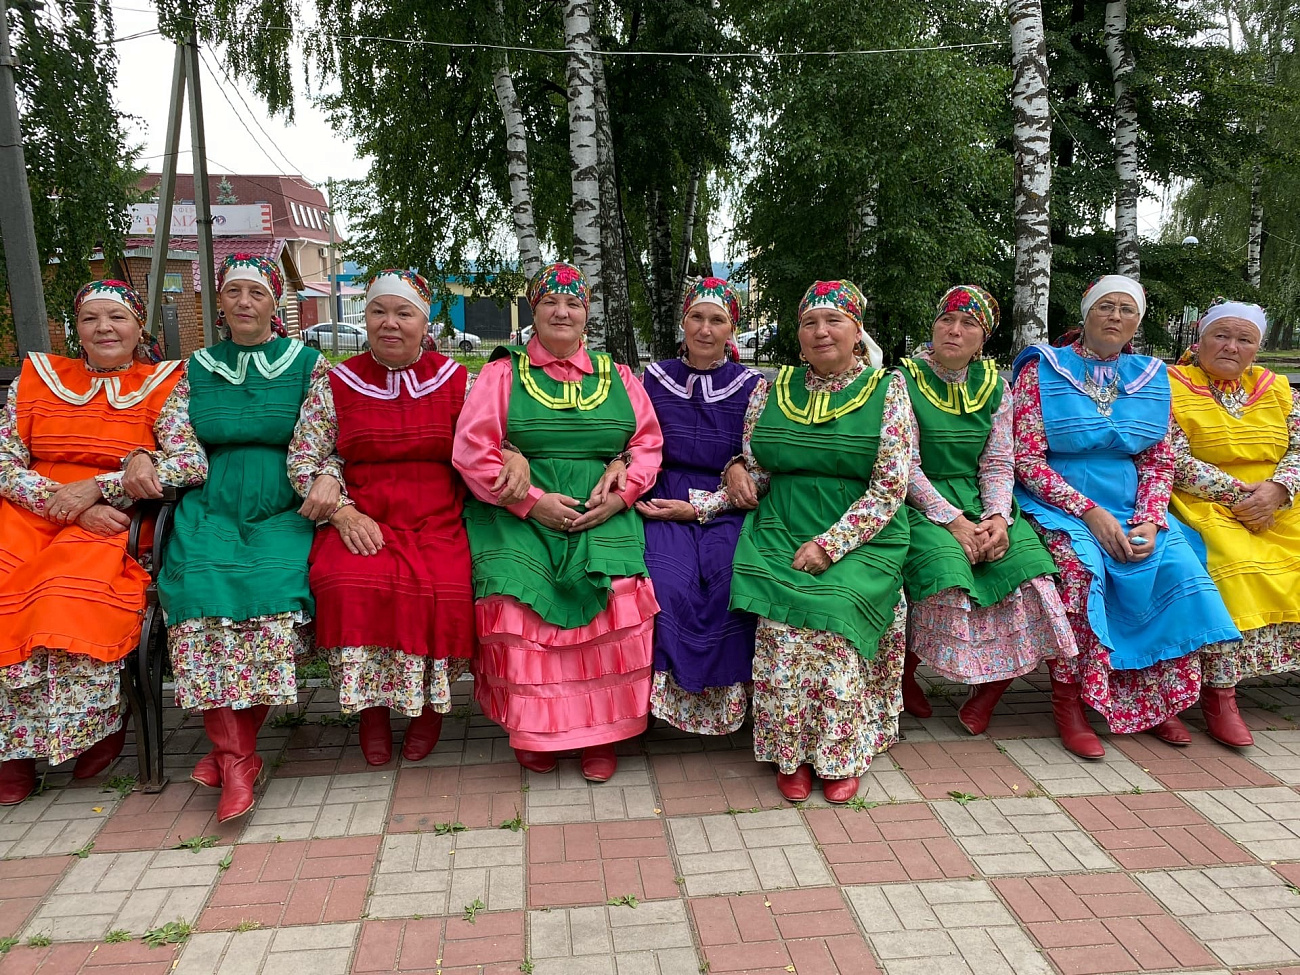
(395,433)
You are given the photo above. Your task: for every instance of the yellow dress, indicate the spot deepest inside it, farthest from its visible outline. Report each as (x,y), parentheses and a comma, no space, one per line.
(1243,434)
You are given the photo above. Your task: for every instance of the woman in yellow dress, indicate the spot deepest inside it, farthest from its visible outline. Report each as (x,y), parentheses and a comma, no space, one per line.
(1236,440)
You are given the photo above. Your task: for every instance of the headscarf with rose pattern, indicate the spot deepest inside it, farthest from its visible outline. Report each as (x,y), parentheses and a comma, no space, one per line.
(974,301)
(558,278)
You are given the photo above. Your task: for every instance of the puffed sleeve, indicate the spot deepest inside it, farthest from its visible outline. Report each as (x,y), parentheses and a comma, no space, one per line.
(889,479)
(709,504)
(646,448)
(1032,470)
(18,482)
(480,431)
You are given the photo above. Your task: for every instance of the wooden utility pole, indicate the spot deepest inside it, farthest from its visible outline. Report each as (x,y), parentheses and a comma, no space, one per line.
(185,81)
(17,229)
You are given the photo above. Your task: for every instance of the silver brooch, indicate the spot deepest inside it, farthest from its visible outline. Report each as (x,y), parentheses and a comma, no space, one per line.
(1103,396)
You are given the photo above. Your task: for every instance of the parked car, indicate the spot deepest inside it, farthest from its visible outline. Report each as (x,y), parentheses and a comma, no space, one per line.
(459,339)
(321,336)
(756,338)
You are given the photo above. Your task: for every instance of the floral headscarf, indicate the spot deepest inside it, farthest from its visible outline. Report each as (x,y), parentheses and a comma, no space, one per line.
(408,285)
(713,291)
(110,289)
(558,278)
(846,297)
(253,267)
(972,300)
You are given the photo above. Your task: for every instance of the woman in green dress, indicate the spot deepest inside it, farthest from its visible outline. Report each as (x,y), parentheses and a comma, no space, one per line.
(827,449)
(233,583)
(983,606)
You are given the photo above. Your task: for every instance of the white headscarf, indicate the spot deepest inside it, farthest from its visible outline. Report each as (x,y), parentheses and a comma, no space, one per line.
(875,357)
(395,284)
(1243,310)
(1110,284)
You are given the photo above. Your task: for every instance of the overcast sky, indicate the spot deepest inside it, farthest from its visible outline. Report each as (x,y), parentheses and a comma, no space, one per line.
(313,149)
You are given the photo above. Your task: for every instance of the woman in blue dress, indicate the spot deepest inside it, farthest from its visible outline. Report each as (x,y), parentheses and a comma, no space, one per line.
(1094,470)
(703,652)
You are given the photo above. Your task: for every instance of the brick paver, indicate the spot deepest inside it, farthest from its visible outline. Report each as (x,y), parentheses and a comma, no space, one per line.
(971,765)
(1153,830)
(90,959)
(564,796)
(160,821)
(132,892)
(321,806)
(425,873)
(476,795)
(1060,773)
(1019,836)
(23,885)
(588,863)
(653,937)
(299,882)
(493,944)
(750,851)
(1264,821)
(770,934)
(57,821)
(1247,916)
(321,949)
(1090,925)
(1204,764)
(887,844)
(1278,753)
(956,927)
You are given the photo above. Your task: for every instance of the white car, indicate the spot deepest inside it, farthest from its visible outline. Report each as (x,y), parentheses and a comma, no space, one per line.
(459,339)
(756,338)
(321,336)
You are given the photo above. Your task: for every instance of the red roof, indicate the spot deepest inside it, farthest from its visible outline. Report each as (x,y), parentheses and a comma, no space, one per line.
(298,209)
(222,247)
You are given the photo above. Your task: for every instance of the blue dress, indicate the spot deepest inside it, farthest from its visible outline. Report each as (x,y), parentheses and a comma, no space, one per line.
(1165,606)
(698,641)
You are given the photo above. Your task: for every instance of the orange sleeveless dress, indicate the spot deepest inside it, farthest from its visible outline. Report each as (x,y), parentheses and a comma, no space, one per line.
(63,587)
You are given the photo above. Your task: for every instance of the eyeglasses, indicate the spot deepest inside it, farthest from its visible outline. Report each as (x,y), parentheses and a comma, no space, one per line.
(1107,308)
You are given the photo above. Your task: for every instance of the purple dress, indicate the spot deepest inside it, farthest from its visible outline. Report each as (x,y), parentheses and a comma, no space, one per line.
(699,643)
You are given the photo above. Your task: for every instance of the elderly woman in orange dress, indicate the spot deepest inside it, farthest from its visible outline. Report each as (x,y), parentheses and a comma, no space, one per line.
(70,596)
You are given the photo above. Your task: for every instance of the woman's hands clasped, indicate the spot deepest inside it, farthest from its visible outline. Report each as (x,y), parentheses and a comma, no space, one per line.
(360,533)
(1133,545)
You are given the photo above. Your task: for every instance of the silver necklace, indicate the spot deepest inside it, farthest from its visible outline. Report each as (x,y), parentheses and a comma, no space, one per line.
(1234,401)
(1103,395)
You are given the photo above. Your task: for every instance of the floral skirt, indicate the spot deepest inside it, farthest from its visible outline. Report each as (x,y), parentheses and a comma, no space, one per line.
(979,644)
(1129,700)
(381,677)
(1273,649)
(54,705)
(818,702)
(224,663)
(712,711)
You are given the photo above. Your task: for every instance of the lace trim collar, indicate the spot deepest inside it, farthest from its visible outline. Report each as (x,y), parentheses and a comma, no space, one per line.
(396,379)
(259,359)
(708,392)
(111,384)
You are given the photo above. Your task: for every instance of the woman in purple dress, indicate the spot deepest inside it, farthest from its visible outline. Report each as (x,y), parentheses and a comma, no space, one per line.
(703,652)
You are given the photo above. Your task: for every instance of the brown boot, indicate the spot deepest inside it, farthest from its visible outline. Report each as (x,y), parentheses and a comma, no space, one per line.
(1222,717)
(914,699)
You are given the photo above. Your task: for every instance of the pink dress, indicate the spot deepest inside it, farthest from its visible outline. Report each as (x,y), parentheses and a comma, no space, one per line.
(555,689)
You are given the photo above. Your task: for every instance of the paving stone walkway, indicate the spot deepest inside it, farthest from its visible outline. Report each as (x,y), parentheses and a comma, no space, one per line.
(997,855)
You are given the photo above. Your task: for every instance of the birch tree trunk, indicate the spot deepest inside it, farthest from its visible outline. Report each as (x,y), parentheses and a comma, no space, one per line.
(688,233)
(521,197)
(664,345)
(1255,238)
(620,340)
(1032,138)
(1128,258)
(579,40)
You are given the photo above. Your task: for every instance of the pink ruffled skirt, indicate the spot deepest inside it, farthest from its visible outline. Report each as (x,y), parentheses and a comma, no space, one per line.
(555,689)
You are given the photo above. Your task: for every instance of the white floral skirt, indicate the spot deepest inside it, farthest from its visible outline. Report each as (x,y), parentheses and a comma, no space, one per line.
(818,702)
(1272,649)
(55,705)
(712,711)
(224,663)
(381,677)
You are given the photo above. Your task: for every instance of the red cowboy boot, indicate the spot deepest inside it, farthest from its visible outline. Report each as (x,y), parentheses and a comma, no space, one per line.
(1076,734)
(1172,731)
(797,785)
(207,771)
(978,709)
(100,755)
(376,730)
(914,700)
(599,763)
(17,780)
(422,734)
(535,761)
(235,735)
(840,791)
(1223,719)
